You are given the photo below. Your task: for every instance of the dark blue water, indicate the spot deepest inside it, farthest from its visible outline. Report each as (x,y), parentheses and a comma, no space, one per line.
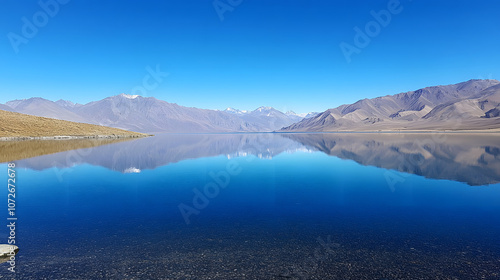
(262,206)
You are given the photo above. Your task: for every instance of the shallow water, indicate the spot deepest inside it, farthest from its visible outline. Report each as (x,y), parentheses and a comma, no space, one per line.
(262,206)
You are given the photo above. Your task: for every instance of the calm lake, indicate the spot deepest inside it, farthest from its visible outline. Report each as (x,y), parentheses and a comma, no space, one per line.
(261,206)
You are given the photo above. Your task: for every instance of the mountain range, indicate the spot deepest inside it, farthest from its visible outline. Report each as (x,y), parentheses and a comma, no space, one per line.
(471,105)
(474,104)
(148,114)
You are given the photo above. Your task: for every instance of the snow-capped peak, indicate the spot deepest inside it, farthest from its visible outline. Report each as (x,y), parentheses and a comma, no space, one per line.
(309,115)
(132,170)
(235,111)
(129,96)
(302,115)
(262,108)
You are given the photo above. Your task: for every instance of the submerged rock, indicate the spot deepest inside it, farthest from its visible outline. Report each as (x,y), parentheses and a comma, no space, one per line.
(7,251)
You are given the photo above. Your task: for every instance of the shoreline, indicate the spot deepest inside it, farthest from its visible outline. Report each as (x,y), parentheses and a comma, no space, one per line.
(69,137)
(120,136)
(444,131)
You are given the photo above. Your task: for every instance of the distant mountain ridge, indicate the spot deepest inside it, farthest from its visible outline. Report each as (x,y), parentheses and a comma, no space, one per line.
(148,114)
(40,107)
(6,108)
(474,104)
(235,111)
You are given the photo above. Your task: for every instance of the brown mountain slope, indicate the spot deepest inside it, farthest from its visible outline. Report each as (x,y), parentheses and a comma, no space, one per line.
(471,105)
(21,125)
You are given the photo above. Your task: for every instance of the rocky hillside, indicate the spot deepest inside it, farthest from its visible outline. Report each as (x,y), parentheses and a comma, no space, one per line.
(474,104)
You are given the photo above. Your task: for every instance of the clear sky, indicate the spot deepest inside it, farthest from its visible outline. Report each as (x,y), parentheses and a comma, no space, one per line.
(279,53)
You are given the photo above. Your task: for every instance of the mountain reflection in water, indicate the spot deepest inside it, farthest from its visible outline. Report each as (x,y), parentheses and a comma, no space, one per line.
(473,159)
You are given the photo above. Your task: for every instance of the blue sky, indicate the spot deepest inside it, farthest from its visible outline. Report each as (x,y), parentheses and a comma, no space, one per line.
(284,54)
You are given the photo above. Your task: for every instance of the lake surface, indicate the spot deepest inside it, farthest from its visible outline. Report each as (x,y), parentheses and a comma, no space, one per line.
(262,206)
